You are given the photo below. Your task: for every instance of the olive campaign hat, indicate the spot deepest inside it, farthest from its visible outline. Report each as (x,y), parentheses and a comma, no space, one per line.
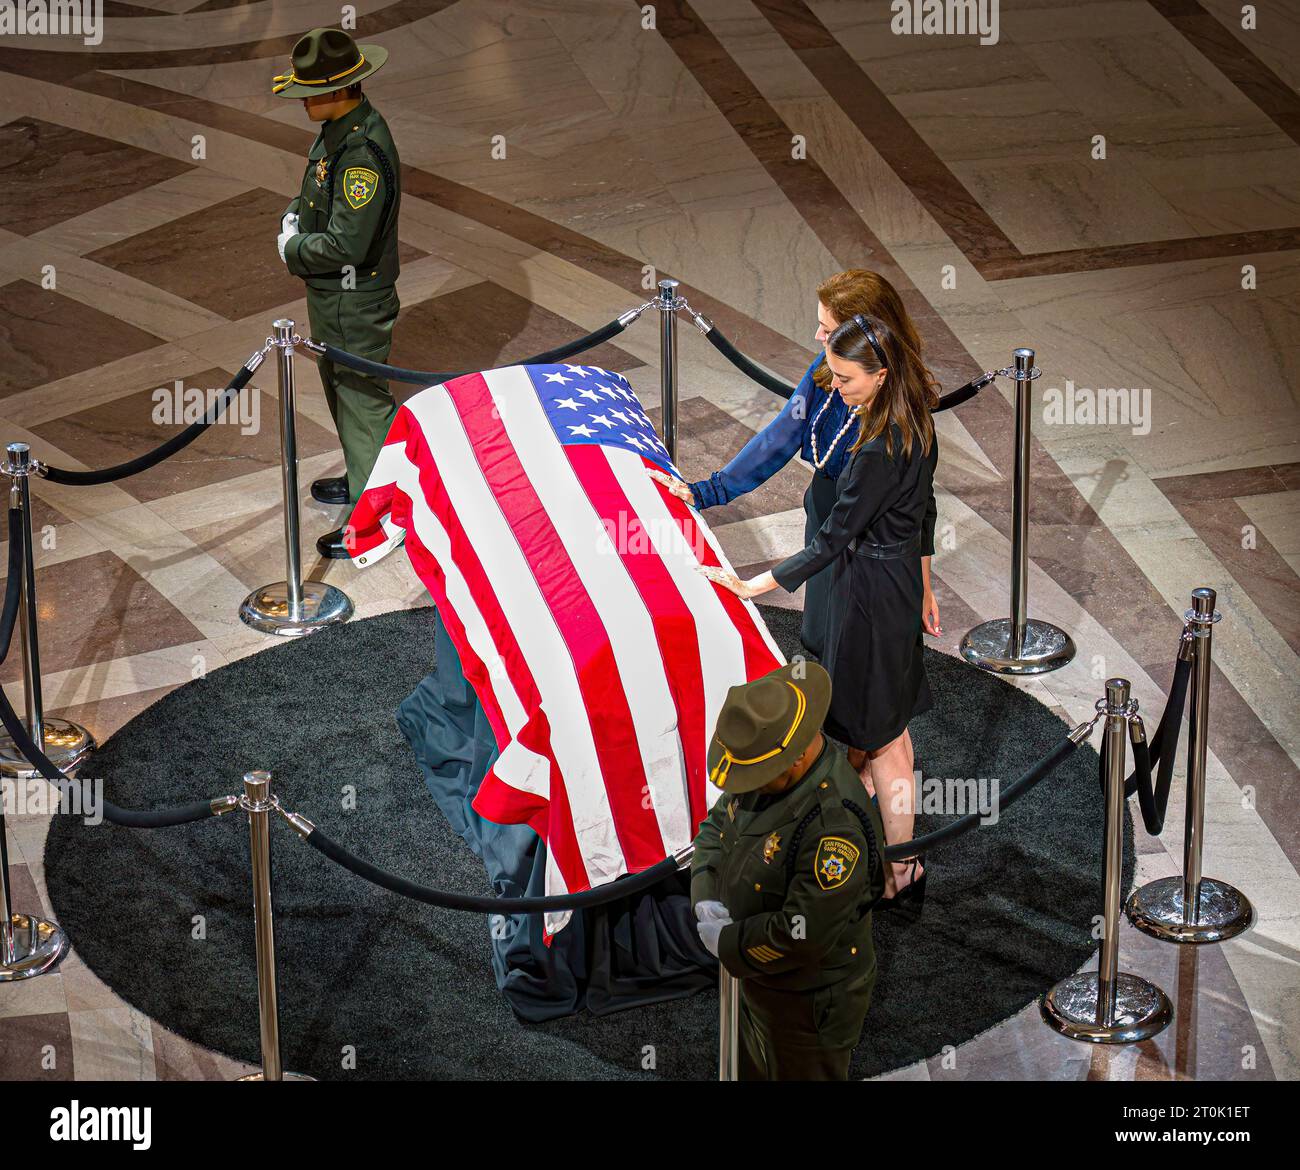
(765,725)
(327,59)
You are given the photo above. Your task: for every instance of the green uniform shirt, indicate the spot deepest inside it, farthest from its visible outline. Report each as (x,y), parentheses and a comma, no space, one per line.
(348,205)
(798,874)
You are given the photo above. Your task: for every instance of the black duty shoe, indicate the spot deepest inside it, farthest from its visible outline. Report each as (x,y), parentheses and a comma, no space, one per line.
(331,545)
(331,491)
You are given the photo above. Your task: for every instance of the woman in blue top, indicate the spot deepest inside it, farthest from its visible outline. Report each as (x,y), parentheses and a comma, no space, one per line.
(872,545)
(817,424)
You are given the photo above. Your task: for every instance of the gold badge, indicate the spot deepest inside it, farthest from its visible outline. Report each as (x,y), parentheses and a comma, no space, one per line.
(834,862)
(771,847)
(322,169)
(359,185)
(731,810)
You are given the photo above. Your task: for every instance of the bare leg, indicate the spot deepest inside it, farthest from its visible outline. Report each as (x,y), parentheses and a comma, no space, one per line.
(891,776)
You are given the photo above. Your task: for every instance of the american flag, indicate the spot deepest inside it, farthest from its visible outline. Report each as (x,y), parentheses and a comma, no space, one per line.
(567,578)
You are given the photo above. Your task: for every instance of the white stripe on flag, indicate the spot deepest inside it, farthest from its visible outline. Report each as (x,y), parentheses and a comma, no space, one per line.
(518,766)
(722,651)
(532,627)
(756,617)
(613,593)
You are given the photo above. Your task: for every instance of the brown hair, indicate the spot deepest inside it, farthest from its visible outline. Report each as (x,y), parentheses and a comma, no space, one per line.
(859,290)
(904,398)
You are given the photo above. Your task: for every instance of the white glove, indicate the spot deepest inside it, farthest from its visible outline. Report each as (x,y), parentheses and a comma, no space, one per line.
(711,912)
(709,931)
(288,229)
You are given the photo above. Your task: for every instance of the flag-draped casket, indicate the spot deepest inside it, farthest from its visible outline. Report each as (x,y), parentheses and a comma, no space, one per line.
(568,579)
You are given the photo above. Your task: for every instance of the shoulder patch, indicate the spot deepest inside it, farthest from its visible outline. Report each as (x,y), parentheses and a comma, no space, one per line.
(359,186)
(834,861)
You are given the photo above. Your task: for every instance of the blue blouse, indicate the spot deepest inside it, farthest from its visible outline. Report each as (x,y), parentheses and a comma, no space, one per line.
(777,443)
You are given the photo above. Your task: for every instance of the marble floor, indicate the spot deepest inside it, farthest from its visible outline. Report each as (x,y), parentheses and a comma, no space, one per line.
(1115,183)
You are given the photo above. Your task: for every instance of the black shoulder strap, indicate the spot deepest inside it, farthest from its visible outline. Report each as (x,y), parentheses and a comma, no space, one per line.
(797,836)
(874,855)
(390,197)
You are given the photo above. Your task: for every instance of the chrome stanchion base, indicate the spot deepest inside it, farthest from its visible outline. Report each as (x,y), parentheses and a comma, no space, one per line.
(267,609)
(1141,1009)
(1157,909)
(1046,648)
(289,1076)
(66,744)
(39,946)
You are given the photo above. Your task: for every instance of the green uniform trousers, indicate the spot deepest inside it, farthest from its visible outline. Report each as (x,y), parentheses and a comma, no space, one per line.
(802,1035)
(360,321)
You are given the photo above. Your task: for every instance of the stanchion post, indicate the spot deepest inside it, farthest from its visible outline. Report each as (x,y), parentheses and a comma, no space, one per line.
(728,1025)
(1019,644)
(29,945)
(667,305)
(1194,908)
(64,742)
(292,607)
(1110,1006)
(1115,746)
(259,804)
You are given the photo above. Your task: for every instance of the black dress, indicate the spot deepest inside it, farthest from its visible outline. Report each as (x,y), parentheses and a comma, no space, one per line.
(880,527)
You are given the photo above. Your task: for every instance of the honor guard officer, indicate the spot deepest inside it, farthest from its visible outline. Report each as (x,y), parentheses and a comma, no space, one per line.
(786,869)
(340,236)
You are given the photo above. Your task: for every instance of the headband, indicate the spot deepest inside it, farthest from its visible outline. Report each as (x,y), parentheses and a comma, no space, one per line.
(287,79)
(861,323)
(720,770)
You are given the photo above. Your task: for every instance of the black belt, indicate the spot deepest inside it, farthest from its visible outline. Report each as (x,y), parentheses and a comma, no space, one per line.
(887,552)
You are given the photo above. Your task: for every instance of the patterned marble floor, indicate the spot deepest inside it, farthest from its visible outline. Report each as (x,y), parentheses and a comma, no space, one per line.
(1115,183)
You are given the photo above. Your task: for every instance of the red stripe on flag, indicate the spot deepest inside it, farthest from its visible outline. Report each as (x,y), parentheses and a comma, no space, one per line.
(674,624)
(496,800)
(571,607)
(364,530)
(759,659)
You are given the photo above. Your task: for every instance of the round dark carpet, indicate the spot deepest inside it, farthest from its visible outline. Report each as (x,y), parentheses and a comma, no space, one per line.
(164,917)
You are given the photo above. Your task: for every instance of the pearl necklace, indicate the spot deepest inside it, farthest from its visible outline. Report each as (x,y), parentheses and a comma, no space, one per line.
(821,462)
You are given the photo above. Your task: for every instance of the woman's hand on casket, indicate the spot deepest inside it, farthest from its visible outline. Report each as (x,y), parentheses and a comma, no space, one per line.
(754,587)
(681,490)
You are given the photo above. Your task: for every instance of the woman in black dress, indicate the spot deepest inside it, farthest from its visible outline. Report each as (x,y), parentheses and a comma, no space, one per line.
(872,543)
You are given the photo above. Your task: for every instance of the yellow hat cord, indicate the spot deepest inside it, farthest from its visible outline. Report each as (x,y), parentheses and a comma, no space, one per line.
(290,78)
(718,777)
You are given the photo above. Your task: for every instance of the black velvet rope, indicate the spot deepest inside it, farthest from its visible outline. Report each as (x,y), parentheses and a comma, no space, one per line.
(750,369)
(633,884)
(427,378)
(177,442)
(1153,798)
(783,389)
(1153,807)
(1008,796)
(13,582)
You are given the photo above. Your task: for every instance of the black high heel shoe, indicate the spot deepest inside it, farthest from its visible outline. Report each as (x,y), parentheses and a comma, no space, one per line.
(911,898)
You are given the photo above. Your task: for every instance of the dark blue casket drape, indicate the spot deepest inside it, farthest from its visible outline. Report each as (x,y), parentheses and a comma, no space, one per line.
(632,951)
